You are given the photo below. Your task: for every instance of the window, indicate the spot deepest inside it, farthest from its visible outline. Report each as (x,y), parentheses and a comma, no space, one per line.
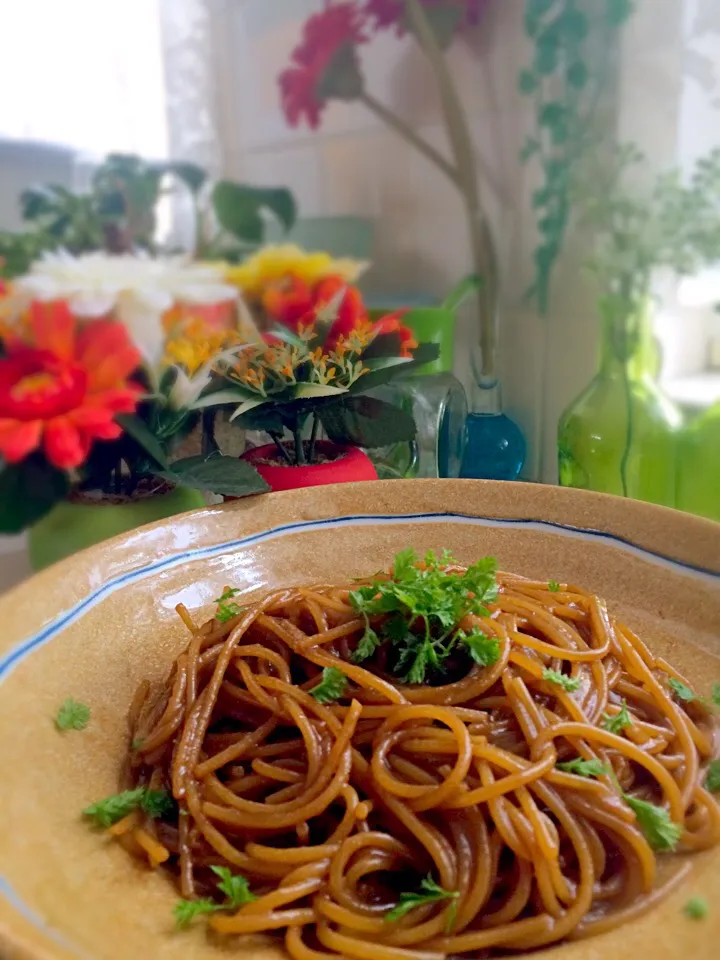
(84,74)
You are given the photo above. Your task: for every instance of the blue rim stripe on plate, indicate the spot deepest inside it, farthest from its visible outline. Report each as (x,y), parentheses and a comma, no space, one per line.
(22,650)
(18,653)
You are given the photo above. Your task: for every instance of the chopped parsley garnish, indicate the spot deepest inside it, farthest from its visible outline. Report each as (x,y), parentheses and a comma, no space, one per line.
(571,684)
(696,908)
(72,715)
(369,642)
(712,781)
(237,894)
(715,694)
(483,649)
(681,690)
(553,586)
(583,768)
(430,892)
(660,831)
(155,803)
(331,687)
(424,605)
(619,722)
(226,611)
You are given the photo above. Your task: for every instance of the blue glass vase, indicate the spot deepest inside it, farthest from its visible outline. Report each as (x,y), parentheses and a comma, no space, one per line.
(495,448)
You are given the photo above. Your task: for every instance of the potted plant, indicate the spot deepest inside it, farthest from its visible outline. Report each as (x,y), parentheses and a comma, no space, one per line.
(97,391)
(621,434)
(305,383)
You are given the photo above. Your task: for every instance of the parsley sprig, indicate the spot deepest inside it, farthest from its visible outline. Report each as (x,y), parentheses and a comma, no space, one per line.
(429,892)
(553,586)
(570,684)
(696,908)
(72,715)
(712,780)
(423,606)
(155,803)
(583,768)
(331,687)
(619,722)
(226,611)
(237,894)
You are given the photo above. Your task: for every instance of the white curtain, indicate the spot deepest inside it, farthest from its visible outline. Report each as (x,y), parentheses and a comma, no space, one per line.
(86,74)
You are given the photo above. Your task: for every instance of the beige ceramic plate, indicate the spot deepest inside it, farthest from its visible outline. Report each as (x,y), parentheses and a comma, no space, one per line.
(93,626)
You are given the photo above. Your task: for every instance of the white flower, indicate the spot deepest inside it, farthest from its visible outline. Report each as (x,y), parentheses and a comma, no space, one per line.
(137,289)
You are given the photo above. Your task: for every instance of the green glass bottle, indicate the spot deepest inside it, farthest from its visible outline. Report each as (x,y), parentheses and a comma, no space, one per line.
(621,434)
(698,478)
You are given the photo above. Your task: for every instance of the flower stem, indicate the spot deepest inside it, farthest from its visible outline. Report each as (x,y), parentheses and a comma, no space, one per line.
(299,445)
(404,129)
(313,438)
(277,440)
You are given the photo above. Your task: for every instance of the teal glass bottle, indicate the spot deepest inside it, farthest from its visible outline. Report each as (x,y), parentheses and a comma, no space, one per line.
(621,434)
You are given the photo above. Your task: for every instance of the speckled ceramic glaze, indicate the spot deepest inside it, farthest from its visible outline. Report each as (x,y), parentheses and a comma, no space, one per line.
(95,625)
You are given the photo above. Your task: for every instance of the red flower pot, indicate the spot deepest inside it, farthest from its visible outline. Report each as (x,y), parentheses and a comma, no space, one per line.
(349,464)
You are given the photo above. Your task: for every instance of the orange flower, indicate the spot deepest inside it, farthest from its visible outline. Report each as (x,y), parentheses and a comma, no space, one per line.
(288,301)
(62,391)
(391,324)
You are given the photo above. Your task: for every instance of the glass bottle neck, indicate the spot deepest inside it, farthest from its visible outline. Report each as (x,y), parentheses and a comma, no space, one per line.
(486,396)
(627,344)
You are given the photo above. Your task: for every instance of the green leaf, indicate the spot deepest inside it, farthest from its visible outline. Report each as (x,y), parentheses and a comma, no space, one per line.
(369,642)
(577,75)
(430,892)
(239,208)
(235,887)
(192,175)
(185,911)
(696,908)
(72,715)
(155,803)
(618,12)
(28,491)
(342,79)
(222,475)
(559,679)
(619,722)
(226,397)
(681,690)
(547,57)
(527,81)
(307,391)
(552,114)
(142,435)
(583,768)
(660,831)
(573,24)
(331,687)
(712,781)
(246,406)
(553,586)
(483,649)
(367,422)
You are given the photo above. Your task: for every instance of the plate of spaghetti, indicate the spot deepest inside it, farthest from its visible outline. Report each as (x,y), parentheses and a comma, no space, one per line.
(395,721)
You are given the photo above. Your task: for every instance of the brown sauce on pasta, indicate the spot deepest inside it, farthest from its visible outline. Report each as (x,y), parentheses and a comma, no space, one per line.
(331,810)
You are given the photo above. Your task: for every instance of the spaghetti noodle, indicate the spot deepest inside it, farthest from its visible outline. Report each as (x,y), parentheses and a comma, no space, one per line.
(519,796)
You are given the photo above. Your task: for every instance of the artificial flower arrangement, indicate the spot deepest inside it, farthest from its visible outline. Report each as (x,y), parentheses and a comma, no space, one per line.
(318,356)
(108,362)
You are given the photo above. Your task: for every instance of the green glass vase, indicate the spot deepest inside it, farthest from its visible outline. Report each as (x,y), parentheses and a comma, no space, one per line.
(698,475)
(621,434)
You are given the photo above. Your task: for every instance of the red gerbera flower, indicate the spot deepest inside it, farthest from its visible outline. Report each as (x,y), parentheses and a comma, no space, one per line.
(64,389)
(326,36)
(391,13)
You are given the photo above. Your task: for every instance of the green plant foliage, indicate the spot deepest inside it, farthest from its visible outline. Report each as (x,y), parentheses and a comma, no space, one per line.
(227,476)
(366,422)
(239,209)
(573,46)
(28,491)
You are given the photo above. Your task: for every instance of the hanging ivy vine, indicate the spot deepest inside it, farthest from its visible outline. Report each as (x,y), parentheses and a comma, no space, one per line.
(573,44)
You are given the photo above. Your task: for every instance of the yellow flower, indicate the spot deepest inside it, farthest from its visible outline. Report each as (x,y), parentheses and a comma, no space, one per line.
(194,345)
(272,264)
